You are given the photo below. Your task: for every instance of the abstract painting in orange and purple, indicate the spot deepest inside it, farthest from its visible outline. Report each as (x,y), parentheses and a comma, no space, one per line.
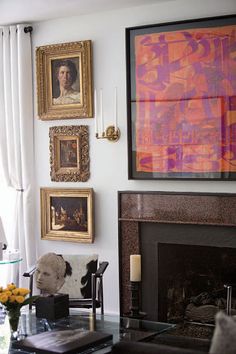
(185,102)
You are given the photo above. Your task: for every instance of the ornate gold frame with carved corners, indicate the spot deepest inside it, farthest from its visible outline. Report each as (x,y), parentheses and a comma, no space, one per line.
(69,153)
(67,214)
(51,103)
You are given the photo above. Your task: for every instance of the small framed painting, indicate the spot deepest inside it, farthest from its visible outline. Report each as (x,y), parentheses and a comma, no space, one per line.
(181,99)
(69,153)
(64,80)
(67,215)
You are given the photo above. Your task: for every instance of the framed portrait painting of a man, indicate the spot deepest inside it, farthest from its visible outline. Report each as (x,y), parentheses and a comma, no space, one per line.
(64,80)
(69,153)
(67,214)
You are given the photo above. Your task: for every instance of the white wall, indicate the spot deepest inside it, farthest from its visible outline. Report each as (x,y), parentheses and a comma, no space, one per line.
(108,160)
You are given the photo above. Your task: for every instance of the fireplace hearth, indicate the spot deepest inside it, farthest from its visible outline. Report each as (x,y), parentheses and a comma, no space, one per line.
(188,247)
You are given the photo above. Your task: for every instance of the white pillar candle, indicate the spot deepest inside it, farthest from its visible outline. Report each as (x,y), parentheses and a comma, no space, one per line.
(135,267)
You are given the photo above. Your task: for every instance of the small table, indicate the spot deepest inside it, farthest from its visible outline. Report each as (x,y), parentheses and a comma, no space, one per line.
(122,328)
(10,261)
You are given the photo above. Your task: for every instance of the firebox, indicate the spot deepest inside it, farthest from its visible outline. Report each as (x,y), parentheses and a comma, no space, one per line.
(183,274)
(191,282)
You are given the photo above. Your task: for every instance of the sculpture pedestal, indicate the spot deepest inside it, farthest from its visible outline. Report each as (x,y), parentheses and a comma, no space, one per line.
(52,307)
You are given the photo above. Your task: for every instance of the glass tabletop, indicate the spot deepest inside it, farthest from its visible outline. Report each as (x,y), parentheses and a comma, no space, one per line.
(121,328)
(10,261)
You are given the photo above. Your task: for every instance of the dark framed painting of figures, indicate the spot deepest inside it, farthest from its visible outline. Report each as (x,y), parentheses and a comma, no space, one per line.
(69,153)
(67,214)
(64,80)
(181,99)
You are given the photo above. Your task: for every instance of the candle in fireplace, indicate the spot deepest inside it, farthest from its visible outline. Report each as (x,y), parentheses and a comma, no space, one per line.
(135,267)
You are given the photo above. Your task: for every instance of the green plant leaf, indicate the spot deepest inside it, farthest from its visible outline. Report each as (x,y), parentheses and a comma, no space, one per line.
(29,300)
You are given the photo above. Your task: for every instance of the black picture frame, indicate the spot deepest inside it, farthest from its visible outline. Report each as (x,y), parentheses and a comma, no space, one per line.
(176,73)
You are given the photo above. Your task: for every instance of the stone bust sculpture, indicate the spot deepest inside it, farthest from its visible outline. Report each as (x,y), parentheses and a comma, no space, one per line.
(51,270)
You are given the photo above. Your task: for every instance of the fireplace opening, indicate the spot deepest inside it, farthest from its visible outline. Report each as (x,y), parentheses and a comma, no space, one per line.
(184,270)
(191,280)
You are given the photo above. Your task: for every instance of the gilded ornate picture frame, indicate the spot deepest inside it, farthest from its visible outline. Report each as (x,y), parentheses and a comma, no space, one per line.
(64,80)
(67,214)
(69,153)
(181,99)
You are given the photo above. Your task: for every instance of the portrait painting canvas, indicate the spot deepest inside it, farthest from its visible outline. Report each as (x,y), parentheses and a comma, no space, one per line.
(67,214)
(64,80)
(66,85)
(69,153)
(182,99)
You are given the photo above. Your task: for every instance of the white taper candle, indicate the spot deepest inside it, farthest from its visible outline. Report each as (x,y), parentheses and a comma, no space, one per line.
(95,111)
(115,108)
(102,122)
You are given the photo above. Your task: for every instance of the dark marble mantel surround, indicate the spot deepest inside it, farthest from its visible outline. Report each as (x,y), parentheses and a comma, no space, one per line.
(216,209)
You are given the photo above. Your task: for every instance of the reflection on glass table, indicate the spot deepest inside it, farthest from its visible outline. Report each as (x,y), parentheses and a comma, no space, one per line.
(122,328)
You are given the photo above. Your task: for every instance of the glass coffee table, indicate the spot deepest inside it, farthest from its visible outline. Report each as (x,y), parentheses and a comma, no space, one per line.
(121,328)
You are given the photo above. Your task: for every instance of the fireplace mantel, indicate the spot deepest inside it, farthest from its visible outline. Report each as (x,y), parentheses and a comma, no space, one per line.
(136,207)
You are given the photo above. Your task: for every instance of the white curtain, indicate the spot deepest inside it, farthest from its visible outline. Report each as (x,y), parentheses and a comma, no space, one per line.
(16,135)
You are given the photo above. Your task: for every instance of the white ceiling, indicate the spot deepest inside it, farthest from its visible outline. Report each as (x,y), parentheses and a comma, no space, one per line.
(28,11)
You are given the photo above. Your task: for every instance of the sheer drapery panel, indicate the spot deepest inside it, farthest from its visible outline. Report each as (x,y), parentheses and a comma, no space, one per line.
(16,135)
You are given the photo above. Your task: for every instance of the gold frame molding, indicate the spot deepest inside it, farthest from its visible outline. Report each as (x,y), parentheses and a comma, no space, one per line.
(58,210)
(78,171)
(81,53)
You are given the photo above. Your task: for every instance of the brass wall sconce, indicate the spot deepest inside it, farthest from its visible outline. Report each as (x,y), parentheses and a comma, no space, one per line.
(112,132)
